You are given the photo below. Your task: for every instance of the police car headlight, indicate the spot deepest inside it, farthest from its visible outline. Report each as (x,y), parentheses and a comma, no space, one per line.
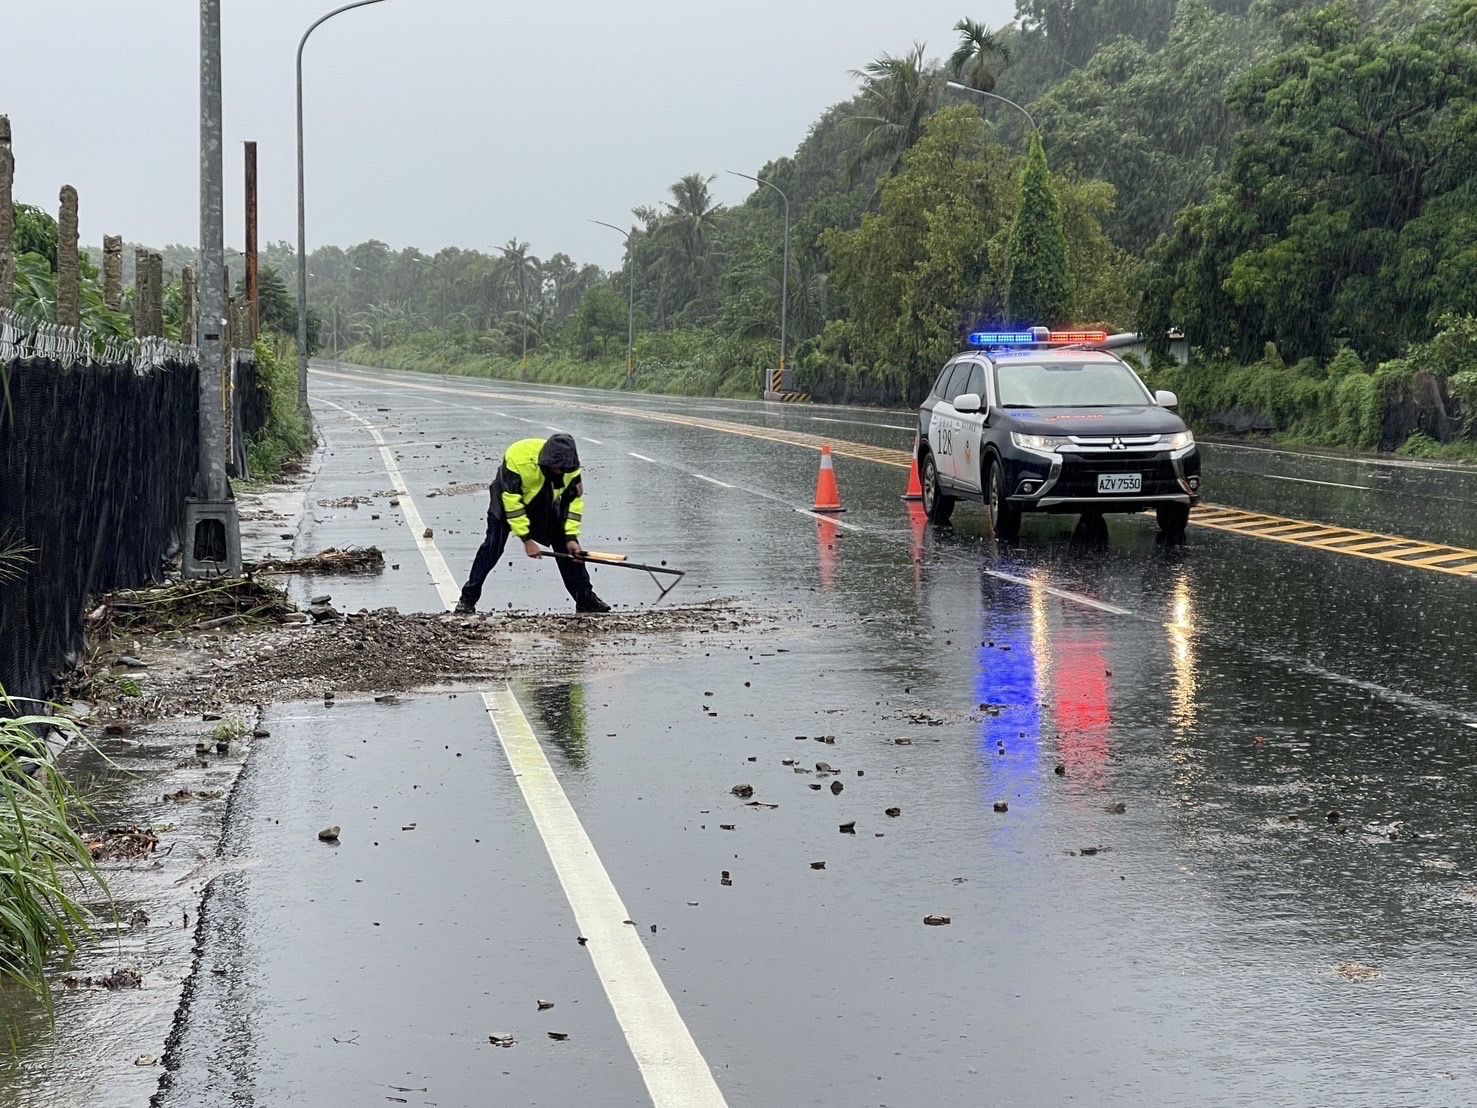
(1047,443)
(1178,441)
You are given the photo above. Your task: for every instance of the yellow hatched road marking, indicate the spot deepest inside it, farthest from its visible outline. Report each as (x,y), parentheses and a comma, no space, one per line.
(1391,549)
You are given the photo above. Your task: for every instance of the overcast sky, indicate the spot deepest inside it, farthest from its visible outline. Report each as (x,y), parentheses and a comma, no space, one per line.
(434,122)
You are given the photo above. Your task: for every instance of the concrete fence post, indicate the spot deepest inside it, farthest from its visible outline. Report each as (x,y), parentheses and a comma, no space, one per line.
(113,271)
(68,269)
(7,217)
(187,306)
(155,319)
(140,291)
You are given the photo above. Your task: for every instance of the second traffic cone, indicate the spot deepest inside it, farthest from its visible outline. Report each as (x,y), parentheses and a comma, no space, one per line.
(827,495)
(915,487)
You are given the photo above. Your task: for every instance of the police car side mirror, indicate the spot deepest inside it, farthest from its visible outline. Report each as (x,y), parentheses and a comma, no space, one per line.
(967,403)
(1166,399)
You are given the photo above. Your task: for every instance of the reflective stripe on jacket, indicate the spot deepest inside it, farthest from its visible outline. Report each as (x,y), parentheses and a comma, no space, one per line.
(522,489)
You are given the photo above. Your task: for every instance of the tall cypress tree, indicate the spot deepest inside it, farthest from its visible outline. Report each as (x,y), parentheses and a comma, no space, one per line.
(1040,291)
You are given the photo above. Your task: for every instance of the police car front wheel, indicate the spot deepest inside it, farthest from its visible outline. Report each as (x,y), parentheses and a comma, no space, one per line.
(937,503)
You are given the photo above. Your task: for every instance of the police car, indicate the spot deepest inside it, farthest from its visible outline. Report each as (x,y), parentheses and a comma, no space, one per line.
(1048,421)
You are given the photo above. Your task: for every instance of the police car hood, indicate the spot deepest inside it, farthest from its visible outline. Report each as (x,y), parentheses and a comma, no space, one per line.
(1139,419)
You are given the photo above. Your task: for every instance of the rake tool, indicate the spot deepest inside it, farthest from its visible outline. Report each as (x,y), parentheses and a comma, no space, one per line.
(619,561)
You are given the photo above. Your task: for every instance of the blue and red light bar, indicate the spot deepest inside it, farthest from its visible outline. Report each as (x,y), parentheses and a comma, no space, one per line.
(1038,336)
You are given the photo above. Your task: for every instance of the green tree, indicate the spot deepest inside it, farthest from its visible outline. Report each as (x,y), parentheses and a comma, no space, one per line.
(916,273)
(980,53)
(898,94)
(1346,214)
(1040,289)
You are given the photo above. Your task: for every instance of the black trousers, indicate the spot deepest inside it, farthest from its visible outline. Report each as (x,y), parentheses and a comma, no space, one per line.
(549,531)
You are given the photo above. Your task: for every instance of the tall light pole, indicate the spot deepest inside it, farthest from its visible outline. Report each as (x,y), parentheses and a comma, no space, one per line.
(997,96)
(631,306)
(778,383)
(302,218)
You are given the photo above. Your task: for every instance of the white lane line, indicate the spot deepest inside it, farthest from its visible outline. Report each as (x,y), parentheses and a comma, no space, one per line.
(675,1072)
(440,573)
(1064,594)
(556,430)
(712,481)
(593,442)
(1310,481)
(829,518)
(643,457)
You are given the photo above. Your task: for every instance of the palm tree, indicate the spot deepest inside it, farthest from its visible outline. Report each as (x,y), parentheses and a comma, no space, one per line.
(973,61)
(524,272)
(898,94)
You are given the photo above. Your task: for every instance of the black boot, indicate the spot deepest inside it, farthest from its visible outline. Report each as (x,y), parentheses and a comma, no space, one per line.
(591,603)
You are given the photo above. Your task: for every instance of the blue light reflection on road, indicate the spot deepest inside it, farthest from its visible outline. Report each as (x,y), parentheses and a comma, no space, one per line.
(1008,679)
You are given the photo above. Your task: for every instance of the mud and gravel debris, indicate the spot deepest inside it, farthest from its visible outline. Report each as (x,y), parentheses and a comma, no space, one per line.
(367,559)
(382,651)
(345,502)
(124,977)
(1357,971)
(458,489)
(122,844)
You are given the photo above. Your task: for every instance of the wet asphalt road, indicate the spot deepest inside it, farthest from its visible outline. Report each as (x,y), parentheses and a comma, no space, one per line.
(1229,695)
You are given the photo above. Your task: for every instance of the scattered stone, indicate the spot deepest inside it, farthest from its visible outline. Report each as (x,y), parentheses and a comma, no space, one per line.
(428,534)
(1357,971)
(903,742)
(261,733)
(1060,770)
(849,827)
(836,787)
(1089,851)
(124,977)
(146,1060)
(322,598)
(1335,815)
(583,941)
(817,865)
(824,767)
(329,834)
(743,792)
(1117,808)
(760,804)
(893,813)
(937,921)
(501,1040)
(726,879)
(558,1036)
(1001,806)
(726,826)
(816,785)
(132,662)
(387,698)
(545,1005)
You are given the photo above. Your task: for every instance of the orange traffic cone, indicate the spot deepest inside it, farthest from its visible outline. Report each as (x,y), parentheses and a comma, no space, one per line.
(915,487)
(827,495)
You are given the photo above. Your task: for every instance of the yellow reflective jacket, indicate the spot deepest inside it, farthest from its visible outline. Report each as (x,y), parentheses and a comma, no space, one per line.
(523,491)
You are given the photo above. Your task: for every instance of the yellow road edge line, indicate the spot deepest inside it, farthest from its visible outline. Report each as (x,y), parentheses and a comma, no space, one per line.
(671,1065)
(1435,563)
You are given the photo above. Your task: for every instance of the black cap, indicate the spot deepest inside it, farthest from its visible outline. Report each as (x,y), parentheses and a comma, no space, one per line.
(559,453)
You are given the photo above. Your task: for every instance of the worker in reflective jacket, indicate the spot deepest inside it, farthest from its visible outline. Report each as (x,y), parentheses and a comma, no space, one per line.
(538,495)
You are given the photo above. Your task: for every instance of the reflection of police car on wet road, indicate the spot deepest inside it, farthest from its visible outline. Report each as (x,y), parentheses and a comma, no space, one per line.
(1040,421)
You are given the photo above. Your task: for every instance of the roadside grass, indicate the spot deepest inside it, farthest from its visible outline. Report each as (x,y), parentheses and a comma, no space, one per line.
(44,862)
(286,436)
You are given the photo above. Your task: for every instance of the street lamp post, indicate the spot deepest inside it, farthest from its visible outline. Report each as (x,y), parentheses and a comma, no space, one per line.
(302,234)
(997,96)
(779,382)
(631,306)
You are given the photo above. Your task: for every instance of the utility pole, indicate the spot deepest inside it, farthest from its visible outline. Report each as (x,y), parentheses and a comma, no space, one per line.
(253,278)
(212,529)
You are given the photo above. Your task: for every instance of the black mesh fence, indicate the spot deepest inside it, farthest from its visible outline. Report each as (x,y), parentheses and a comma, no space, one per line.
(95,464)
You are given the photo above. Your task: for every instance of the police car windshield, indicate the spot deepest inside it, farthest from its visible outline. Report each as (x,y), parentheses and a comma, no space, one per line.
(1067,385)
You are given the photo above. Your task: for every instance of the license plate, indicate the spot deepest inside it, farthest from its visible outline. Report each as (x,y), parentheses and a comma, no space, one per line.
(1114,484)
